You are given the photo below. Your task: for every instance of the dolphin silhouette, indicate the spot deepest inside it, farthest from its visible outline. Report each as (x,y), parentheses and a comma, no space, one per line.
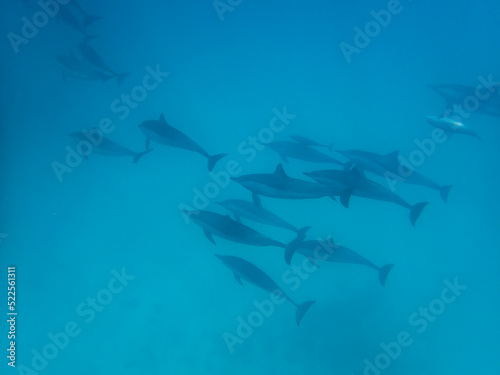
(299,151)
(161,132)
(92,57)
(451,126)
(79,70)
(245,270)
(310,142)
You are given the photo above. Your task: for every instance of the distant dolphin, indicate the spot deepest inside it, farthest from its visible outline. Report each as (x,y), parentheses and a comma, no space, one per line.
(339,254)
(299,151)
(92,57)
(161,132)
(77,69)
(108,147)
(279,185)
(357,184)
(245,270)
(310,142)
(451,126)
(223,226)
(457,94)
(383,164)
(87,18)
(254,211)
(67,16)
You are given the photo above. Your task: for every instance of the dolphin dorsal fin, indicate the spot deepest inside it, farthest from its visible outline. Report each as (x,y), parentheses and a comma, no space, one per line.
(256,200)
(279,171)
(393,157)
(356,172)
(162,119)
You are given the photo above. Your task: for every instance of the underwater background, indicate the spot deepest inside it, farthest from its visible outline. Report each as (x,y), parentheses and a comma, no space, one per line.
(232,66)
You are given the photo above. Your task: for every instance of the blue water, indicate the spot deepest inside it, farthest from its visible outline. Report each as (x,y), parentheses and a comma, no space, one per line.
(69,234)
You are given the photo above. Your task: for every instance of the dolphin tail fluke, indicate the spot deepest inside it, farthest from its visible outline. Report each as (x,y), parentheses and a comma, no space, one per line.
(121,77)
(90,19)
(141,154)
(383,272)
(301,233)
(415,211)
(212,160)
(302,309)
(444,191)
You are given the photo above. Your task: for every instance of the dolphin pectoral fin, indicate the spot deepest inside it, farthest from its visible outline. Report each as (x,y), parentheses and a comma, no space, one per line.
(209,236)
(345,197)
(284,158)
(212,160)
(139,155)
(120,77)
(444,191)
(415,211)
(148,142)
(301,310)
(330,147)
(383,272)
(313,262)
(237,218)
(348,165)
(238,278)
(256,200)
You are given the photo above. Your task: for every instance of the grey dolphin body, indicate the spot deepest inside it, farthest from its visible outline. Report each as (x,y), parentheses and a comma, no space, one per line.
(67,16)
(455,95)
(358,185)
(389,166)
(279,185)
(245,270)
(80,70)
(93,58)
(301,152)
(108,147)
(313,250)
(161,132)
(254,211)
(451,126)
(310,142)
(223,226)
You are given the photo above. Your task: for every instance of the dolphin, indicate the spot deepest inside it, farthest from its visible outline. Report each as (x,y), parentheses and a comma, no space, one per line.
(92,57)
(279,185)
(456,95)
(245,270)
(87,18)
(69,18)
(390,166)
(223,226)
(451,126)
(332,252)
(161,132)
(356,184)
(77,69)
(310,142)
(254,211)
(301,152)
(108,147)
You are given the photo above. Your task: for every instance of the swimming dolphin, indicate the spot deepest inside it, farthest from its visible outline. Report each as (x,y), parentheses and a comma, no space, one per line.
(159,131)
(310,142)
(69,18)
(279,185)
(313,250)
(108,147)
(77,69)
(356,184)
(245,270)
(87,18)
(223,226)
(254,211)
(92,57)
(389,165)
(301,152)
(451,126)
(455,95)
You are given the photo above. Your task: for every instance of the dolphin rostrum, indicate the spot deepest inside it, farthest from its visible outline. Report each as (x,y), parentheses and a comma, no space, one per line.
(300,151)
(310,142)
(451,126)
(389,166)
(245,270)
(329,251)
(161,132)
(279,185)
(356,184)
(254,211)
(108,147)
